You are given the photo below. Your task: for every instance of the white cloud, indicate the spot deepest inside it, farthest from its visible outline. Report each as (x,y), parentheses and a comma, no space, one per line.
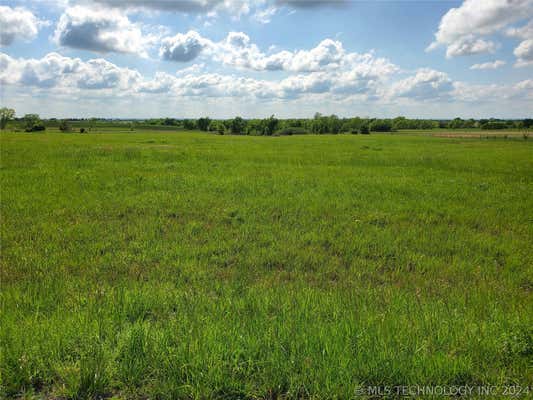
(312,3)
(469,46)
(183,47)
(237,50)
(55,74)
(426,84)
(460,28)
(524,51)
(467,92)
(489,65)
(523,32)
(263,10)
(55,71)
(264,16)
(162,83)
(235,8)
(18,23)
(101,30)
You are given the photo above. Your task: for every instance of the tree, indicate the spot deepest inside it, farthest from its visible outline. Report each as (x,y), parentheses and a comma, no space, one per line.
(189,124)
(64,126)
(6,114)
(527,123)
(381,125)
(238,125)
(203,123)
(270,125)
(334,124)
(33,123)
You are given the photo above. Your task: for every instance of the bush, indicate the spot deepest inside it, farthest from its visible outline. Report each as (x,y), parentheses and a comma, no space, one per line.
(203,124)
(82,130)
(381,125)
(238,126)
(494,125)
(32,123)
(64,126)
(292,130)
(36,128)
(364,130)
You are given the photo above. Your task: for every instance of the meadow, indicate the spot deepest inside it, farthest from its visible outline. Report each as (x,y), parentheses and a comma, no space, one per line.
(169,265)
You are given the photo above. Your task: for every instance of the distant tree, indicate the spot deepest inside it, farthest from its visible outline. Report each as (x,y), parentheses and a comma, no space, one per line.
(381,125)
(221,129)
(238,126)
(189,124)
(270,125)
(170,121)
(457,123)
(401,123)
(6,114)
(494,125)
(364,129)
(203,123)
(33,123)
(334,124)
(64,126)
(92,124)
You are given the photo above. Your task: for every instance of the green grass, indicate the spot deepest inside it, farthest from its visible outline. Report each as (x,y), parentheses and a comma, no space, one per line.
(188,265)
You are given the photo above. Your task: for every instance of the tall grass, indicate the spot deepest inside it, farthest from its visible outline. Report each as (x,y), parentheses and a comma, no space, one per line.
(168,265)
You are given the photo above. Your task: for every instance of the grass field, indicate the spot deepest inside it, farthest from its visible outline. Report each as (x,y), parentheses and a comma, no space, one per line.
(188,265)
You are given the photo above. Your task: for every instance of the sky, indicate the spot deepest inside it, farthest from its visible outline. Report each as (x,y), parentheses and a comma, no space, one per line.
(255,58)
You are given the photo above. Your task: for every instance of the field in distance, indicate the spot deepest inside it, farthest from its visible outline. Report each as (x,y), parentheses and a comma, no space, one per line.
(189,265)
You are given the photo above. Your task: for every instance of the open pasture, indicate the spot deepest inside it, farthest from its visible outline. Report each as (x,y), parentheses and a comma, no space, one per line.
(189,265)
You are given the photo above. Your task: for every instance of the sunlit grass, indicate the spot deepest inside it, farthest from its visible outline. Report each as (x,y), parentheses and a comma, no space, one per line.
(187,265)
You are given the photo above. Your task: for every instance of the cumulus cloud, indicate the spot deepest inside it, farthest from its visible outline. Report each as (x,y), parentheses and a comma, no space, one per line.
(18,23)
(101,30)
(524,51)
(467,92)
(523,32)
(489,65)
(235,8)
(264,16)
(237,50)
(57,71)
(426,84)
(183,47)
(469,46)
(460,28)
(61,73)
(264,9)
(313,3)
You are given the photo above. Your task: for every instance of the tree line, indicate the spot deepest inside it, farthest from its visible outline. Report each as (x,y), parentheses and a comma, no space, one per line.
(319,124)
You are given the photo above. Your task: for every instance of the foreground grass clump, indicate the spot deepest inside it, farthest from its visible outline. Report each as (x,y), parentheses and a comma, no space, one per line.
(169,265)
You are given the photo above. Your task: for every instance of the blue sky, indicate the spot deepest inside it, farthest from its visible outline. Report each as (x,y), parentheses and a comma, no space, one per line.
(291,58)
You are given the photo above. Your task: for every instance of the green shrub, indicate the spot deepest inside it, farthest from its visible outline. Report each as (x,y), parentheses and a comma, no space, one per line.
(381,125)
(33,123)
(64,126)
(292,130)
